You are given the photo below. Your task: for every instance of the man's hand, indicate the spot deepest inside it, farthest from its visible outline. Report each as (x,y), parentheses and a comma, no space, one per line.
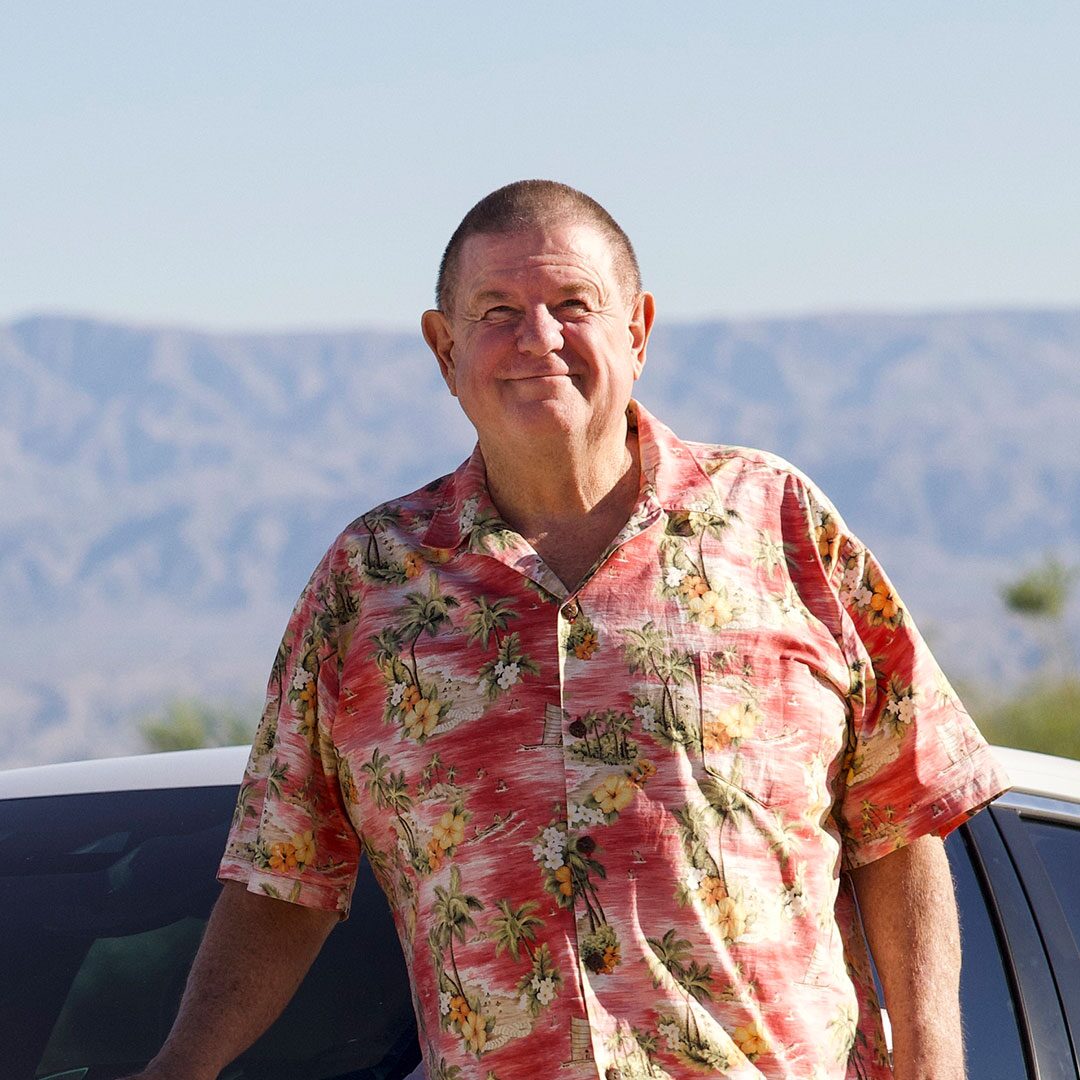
(909,912)
(254,955)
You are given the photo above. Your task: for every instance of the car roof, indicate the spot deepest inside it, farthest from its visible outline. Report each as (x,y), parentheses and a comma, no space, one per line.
(1039,774)
(216,766)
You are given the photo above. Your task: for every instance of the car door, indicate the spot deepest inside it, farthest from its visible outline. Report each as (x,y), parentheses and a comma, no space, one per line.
(1017,873)
(105,896)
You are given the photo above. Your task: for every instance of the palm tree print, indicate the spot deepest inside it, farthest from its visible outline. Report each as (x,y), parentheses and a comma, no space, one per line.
(569,869)
(451,918)
(387,644)
(488,620)
(346,780)
(515,928)
(277,680)
(706,881)
(452,909)
(843,1028)
(424,613)
(432,772)
(390,791)
(275,779)
(380,865)
(411,701)
(634,1054)
(243,808)
(603,737)
(338,608)
(686,576)
(372,562)
(770,554)
(684,1034)
(647,653)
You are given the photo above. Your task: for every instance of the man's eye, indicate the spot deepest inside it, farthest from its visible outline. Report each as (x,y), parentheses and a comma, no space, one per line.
(502,311)
(574,305)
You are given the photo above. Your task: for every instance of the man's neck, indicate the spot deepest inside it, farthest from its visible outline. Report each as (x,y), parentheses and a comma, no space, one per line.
(569,505)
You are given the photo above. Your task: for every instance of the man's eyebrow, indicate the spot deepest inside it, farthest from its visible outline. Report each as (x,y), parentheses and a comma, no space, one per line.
(497,296)
(577,287)
(489,296)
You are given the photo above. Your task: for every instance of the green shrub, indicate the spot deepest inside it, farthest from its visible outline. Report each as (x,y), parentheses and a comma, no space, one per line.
(188,724)
(1043,716)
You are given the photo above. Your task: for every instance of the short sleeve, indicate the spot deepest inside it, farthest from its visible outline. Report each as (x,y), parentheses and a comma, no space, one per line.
(915,763)
(291,836)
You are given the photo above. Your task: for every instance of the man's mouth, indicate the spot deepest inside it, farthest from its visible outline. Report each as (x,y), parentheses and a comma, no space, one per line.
(529,375)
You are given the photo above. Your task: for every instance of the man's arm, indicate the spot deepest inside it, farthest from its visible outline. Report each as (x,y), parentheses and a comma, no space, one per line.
(909,912)
(254,954)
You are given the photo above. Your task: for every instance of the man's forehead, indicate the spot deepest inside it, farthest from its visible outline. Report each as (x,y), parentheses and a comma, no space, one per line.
(572,254)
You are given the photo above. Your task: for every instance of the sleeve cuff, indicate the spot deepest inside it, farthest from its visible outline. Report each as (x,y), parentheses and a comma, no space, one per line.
(281,887)
(963,790)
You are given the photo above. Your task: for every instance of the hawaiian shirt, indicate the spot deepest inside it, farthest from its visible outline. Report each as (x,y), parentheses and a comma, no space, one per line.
(613,826)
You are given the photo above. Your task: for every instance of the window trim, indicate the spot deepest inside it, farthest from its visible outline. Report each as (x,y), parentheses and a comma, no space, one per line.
(1058,936)
(1035,994)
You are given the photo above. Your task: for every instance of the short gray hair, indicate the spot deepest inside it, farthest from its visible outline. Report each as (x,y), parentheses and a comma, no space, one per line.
(524,205)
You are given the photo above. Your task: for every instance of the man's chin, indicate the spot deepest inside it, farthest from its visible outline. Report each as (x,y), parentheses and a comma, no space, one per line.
(550,414)
(542,387)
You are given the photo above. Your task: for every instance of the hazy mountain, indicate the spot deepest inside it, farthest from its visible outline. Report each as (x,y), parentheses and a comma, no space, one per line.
(165,493)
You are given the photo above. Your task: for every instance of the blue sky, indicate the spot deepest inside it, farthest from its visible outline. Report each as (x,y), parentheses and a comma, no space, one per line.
(250,165)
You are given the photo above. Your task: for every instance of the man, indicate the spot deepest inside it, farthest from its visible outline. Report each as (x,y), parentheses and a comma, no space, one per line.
(624,725)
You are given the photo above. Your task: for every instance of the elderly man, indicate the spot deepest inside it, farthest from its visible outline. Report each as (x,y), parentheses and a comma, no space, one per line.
(624,724)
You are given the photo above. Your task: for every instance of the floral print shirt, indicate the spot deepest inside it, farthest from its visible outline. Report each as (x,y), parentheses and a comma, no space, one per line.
(613,827)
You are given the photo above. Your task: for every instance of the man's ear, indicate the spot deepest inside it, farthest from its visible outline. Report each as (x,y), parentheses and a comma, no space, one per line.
(440,339)
(641,324)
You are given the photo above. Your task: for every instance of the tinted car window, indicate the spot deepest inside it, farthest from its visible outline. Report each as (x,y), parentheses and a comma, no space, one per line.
(105,897)
(991,1028)
(1059,848)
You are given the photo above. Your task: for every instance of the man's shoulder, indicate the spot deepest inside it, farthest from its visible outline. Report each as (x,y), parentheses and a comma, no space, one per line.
(405,515)
(724,460)
(723,452)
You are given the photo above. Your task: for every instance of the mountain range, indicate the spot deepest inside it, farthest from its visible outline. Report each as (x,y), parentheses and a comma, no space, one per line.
(166,492)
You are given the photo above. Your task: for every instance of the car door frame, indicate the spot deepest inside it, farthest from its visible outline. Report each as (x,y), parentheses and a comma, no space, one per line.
(1057,936)
(1038,949)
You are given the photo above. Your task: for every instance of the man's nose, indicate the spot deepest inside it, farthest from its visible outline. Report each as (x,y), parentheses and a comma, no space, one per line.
(539,332)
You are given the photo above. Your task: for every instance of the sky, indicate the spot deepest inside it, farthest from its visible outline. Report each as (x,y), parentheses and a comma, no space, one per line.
(275,166)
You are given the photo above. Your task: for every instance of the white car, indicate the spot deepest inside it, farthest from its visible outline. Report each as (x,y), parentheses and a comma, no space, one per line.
(107,876)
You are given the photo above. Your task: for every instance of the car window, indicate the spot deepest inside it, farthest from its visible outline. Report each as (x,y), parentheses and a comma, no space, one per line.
(105,897)
(1058,846)
(992,1034)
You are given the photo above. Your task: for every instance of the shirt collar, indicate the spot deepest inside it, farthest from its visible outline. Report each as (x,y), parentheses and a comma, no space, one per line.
(671,474)
(672,480)
(466,507)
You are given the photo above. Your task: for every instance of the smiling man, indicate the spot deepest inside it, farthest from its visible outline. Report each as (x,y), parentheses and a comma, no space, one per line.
(541,336)
(624,724)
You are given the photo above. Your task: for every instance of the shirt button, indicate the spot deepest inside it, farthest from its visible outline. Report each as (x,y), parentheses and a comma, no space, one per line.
(571,611)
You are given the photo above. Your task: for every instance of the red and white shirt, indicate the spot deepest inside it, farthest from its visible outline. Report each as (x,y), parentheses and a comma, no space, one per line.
(613,827)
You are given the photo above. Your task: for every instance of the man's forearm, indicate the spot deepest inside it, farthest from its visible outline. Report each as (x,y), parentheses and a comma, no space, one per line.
(909,911)
(254,955)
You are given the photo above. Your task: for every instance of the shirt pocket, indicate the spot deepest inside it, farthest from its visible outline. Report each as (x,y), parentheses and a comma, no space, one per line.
(763,715)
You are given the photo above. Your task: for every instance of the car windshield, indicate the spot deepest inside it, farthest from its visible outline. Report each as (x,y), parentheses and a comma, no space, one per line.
(105,897)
